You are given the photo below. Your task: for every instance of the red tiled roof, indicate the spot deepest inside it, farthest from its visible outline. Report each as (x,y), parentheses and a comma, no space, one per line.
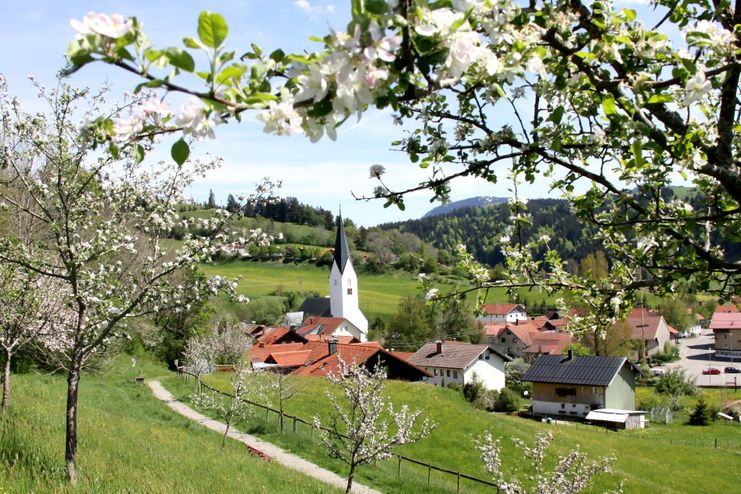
(289,359)
(726,320)
(402,355)
(271,335)
(731,307)
(524,331)
(672,330)
(499,309)
(340,339)
(550,343)
(260,352)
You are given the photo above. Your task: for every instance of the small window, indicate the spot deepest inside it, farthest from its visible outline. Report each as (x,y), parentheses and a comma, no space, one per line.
(447,372)
(434,372)
(487,356)
(349,282)
(455,374)
(335,282)
(504,340)
(349,291)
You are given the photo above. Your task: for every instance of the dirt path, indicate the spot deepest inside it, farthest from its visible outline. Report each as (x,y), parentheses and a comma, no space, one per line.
(279,455)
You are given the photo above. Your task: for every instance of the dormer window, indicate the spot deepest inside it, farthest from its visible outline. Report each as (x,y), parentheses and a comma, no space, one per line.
(349,282)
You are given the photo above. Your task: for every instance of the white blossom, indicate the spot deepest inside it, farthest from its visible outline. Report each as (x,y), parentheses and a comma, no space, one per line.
(377,170)
(111,26)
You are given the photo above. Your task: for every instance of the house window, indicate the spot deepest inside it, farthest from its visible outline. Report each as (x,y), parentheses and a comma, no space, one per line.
(349,291)
(504,340)
(447,372)
(349,282)
(487,356)
(455,374)
(434,372)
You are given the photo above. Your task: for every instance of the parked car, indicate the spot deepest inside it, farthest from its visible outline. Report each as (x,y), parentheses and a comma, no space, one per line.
(732,370)
(711,371)
(658,371)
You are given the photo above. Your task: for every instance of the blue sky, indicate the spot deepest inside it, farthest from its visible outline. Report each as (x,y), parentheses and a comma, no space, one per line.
(34,35)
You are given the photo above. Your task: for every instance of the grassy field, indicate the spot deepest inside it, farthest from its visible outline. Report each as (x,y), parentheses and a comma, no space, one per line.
(129,442)
(379,294)
(646,461)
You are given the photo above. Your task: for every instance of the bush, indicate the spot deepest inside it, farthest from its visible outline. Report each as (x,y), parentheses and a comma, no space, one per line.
(507,401)
(675,383)
(487,400)
(670,354)
(473,390)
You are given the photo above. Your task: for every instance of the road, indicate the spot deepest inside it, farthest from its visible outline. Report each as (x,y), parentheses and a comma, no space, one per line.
(697,354)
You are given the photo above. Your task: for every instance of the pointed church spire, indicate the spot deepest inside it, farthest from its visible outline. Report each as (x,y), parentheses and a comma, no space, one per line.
(341,249)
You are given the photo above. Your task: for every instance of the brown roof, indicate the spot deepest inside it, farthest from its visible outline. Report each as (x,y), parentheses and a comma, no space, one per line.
(524,331)
(274,335)
(731,307)
(644,323)
(455,355)
(726,320)
(402,355)
(550,343)
(260,352)
(324,337)
(320,325)
(500,309)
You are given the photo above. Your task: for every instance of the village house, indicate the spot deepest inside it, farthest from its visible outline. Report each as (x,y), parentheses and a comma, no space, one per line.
(726,328)
(455,362)
(570,386)
(650,329)
(502,313)
(524,339)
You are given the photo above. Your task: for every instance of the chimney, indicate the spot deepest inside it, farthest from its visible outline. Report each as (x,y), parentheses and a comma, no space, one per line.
(332,345)
(570,354)
(293,327)
(439,346)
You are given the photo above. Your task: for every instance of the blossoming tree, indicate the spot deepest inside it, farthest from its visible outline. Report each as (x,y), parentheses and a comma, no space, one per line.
(358,432)
(572,472)
(96,224)
(28,310)
(611,109)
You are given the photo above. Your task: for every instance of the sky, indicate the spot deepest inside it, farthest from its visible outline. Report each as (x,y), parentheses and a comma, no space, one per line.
(34,35)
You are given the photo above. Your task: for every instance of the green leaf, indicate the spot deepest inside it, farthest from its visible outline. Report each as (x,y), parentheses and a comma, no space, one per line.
(180,152)
(180,59)
(278,55)
(608,104)
(212,29)
(638,153)
(557,115)
(139,153)
(377,7)
(234,72)
(189,42)
(659,98)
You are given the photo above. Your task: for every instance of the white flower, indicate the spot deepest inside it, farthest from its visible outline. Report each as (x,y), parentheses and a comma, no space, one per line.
(281,118)
(111,26)
(154,106)
(535,65)
(696,89)
(431,293)
(312,86)
(438,21)
(421,277)
(193,119)
(377,170)
(124,129)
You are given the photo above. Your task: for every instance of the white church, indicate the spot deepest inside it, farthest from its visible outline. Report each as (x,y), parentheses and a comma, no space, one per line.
(340,314)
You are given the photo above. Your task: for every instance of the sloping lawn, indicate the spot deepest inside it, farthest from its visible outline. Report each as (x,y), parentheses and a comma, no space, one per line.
(128,442)
(645,465)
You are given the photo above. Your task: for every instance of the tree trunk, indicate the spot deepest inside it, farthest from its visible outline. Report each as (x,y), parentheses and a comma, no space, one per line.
(349,479)
(73,382)
(6,380)
(226,432)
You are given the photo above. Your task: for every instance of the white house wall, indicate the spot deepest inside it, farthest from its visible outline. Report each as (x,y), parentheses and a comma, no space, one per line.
(556,409)
(490,372)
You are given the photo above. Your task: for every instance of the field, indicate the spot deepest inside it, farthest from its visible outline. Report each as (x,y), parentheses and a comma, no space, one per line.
(129,442)
(379,294)
(662,459)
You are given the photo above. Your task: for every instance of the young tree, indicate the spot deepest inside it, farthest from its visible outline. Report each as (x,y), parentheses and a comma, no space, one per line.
(358,434)
(211,204)
(28,308)
(572,472)
(246,385)
(97,224)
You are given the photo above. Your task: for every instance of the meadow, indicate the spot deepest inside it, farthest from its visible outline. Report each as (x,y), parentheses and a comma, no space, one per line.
(662,459)
(129,442)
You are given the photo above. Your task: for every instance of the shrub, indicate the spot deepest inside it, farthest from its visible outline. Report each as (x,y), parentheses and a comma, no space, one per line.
(701,414)
(487,400)
(675,383)
(670,354)
(507,401)
(473,390)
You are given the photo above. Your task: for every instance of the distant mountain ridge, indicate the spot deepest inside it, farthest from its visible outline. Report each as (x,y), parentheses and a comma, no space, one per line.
(471,202)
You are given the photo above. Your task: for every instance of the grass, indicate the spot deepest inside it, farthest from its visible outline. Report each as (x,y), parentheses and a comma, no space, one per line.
(645,460)
(379,294)
(128,442)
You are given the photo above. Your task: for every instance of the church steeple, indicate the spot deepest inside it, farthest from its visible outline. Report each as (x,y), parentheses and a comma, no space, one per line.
(341,248)
(343,285)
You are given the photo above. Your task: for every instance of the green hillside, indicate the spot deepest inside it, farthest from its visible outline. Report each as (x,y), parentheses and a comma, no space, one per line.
(660,460)
(129,442)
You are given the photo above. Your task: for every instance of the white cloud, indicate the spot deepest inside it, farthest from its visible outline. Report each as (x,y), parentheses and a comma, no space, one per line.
(314,10)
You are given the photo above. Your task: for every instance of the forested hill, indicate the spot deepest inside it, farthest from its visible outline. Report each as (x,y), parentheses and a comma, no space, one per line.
(471,202)
(480,228)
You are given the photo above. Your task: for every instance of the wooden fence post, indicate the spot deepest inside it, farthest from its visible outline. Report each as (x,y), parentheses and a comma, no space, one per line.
(429,472)
(458,489)
(398,468)
(294,425)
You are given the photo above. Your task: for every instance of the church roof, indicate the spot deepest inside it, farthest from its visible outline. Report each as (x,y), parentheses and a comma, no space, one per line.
(316,306)
(341,249)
